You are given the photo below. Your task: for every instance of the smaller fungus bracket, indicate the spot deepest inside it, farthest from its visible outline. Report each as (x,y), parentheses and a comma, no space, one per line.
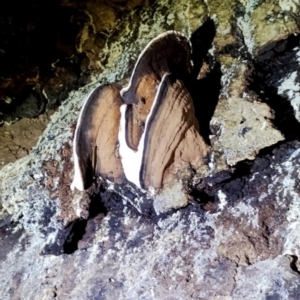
(171,139)
(96,138)
(170,52)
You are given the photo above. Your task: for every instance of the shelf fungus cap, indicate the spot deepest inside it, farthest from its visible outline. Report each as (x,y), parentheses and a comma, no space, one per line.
(96,138)
(170,52)
(170,141)
(147,132)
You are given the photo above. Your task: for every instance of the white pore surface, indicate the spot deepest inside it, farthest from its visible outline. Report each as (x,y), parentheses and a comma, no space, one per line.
(131,159)
(77,180)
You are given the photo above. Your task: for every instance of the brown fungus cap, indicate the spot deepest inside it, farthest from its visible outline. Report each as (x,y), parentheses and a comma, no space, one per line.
(96,137)
(170,52)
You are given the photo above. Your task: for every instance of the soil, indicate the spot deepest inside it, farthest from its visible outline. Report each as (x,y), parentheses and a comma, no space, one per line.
(17,139)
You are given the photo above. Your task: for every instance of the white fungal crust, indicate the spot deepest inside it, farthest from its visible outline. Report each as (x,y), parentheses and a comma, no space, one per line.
(78,178)
(131,159)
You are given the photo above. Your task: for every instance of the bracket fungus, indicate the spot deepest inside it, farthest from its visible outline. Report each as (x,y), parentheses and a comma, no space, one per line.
(146,132)
(96,137)
(168,53)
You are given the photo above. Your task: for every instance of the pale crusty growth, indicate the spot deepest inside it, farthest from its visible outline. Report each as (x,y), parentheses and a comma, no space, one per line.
(96,138)
(172,140)
(170,52)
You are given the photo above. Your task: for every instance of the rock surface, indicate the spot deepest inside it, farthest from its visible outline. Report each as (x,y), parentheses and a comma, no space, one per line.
(237,236)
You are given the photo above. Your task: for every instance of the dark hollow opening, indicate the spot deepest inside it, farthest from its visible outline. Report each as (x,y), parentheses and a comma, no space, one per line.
(205,92)
(270,69)
(76,233)
(78,226)
(293,261)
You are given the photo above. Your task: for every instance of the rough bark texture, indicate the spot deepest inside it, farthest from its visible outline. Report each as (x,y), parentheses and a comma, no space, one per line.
(238,235)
